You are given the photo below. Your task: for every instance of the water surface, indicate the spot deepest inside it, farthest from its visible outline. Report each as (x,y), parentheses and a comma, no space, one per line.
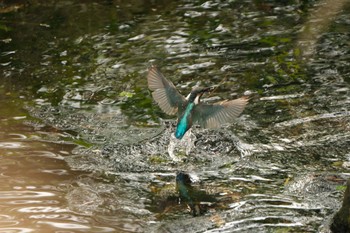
(84,148)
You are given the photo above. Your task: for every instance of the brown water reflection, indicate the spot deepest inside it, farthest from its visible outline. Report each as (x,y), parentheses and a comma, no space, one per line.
(36,183)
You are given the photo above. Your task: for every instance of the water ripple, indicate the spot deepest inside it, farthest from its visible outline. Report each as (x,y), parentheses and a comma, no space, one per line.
(16,230)
(24,194)
(41,209)
(11,145)
(8,53)
(312,118)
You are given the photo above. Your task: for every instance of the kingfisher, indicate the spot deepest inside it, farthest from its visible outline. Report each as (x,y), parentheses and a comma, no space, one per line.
(191,110)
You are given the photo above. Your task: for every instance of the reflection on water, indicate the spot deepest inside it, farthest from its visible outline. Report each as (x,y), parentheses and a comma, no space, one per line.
(37,185)
(197,200)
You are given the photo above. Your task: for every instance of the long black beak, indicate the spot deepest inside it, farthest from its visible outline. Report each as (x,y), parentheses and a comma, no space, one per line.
(207,89)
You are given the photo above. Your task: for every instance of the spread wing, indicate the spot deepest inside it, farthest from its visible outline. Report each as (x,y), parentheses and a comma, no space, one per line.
(214,115)
(164,92)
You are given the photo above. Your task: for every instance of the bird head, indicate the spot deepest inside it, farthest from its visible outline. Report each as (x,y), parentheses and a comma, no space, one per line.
(197,93)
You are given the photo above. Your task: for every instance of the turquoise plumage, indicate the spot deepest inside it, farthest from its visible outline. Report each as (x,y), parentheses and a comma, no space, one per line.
(190,110)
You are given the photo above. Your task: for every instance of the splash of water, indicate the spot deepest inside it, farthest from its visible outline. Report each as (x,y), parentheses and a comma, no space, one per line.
(186,144)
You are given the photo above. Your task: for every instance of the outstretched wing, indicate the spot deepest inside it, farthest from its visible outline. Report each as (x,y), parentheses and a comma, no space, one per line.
(164,92)
(214,115)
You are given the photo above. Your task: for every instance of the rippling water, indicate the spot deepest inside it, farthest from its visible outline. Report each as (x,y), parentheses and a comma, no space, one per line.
(39,191)
(84,149)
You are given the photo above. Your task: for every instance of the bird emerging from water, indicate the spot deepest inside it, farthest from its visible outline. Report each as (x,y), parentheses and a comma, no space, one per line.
(191,110)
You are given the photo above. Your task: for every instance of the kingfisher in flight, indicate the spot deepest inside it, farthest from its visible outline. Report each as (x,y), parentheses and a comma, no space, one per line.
(191,110)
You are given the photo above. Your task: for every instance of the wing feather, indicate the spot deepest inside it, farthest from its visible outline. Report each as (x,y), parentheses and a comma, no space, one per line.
(214,115)
(164,92)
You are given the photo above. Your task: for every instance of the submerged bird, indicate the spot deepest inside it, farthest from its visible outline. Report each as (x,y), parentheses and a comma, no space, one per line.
(191,110)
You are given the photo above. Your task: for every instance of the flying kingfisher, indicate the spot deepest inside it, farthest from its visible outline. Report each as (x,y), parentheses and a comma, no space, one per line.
(191,110)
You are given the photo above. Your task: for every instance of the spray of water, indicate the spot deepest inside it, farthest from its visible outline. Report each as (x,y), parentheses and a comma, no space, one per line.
(183,146)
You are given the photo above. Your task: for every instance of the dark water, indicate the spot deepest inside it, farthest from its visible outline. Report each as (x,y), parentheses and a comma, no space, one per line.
(84,149)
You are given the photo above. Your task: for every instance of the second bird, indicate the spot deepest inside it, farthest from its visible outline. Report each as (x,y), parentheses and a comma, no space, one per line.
(191,110)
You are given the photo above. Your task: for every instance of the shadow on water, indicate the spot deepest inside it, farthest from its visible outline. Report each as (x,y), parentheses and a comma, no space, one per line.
(84,148)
